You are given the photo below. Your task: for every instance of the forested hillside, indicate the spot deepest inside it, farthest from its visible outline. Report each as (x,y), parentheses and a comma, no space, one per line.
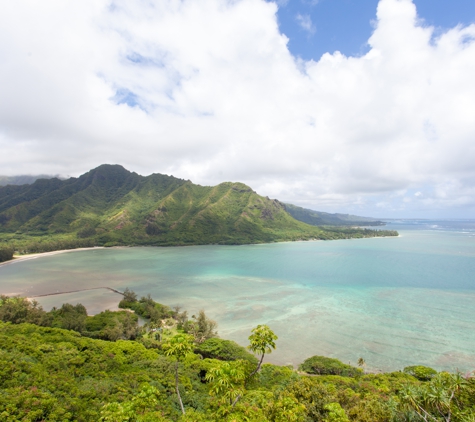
(112,206)
(22,179)
(176,369)
(319,218)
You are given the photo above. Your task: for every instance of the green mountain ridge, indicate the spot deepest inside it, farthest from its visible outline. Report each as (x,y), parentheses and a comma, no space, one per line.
(111,206)
(23,179)
(320,218)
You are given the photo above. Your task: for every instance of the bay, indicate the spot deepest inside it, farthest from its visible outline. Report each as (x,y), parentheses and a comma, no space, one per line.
(393,301)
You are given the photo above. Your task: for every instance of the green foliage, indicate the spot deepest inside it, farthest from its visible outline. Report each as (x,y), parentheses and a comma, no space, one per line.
(440,399)
(43,244)
(145,406)
(6,253)
(107,325)
(22,179)
(70,317)
(227,380)
(146,307)
(322,365)
(423,373)
(129,295)
(261,341)
(318,218)
(19,309)
(335,413)
(201,327)
(110,206)
(274,377)
(52,374)
(112,326)
(226,350)
(178,347)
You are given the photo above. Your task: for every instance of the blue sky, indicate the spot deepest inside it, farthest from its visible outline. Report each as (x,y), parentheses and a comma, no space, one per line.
(364,107)
(315,27)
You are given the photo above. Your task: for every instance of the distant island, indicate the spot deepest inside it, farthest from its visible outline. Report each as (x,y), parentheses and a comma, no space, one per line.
(110,206)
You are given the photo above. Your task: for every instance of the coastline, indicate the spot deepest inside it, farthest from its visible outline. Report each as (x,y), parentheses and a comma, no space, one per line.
(42,254)
(19,258)
(109,299)
(323,314)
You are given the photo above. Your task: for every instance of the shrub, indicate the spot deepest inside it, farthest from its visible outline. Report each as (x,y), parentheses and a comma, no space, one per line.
(216,348)
(6,253)
(19,309)
(322,365)
(422,373)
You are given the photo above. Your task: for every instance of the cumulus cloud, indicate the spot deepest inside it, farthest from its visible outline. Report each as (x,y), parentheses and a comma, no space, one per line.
(209,91)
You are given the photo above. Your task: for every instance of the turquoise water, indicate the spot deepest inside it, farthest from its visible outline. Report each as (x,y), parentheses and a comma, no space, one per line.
(393,301)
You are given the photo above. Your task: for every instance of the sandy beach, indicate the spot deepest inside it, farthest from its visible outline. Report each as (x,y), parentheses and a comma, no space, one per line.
(96,299)
(19,258)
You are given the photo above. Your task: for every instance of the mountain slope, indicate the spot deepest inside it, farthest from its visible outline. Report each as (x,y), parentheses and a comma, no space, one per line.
(112,206)
(319,218)
(22,179)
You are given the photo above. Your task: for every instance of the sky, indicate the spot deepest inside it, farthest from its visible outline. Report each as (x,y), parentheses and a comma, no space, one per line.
(356,106)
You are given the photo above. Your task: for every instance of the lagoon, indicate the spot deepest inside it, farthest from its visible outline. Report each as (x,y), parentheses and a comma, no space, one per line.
(393,301)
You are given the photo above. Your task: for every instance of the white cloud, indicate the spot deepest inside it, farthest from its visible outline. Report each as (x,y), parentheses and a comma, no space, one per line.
(209,91)
(305,22)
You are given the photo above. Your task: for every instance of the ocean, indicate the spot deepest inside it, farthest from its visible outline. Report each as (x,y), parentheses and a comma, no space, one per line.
(395,302)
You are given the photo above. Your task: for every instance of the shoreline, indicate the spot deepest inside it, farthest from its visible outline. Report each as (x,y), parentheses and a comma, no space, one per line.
(111,305)
(51,253)
(19,258)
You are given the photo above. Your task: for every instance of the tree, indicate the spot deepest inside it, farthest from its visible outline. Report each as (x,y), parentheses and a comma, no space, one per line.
(361,363)
(262,341)
(178,347)
(436,400)
(6,253)
(70,317)
(129,295)
(19,309)
(227,380)
(321,365)
(202,327)
(422,373)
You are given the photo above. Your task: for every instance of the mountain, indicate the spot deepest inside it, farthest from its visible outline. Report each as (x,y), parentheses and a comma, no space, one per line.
(22,180)
(112,206)
(319,218)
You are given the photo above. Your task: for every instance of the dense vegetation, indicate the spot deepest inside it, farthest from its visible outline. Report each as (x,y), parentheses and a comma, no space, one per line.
(21,179)
(6,253)
(321,365)
(319,218)
(111,206)
(169,374)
